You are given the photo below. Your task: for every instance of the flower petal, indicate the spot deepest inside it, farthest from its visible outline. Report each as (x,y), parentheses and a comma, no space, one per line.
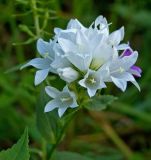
(116,36)
(39,63)
(51,105)
(61,111)
(74,104)
(128,61)
(41,76)
(122,84)
(52,92)
(136,84)
(75,24)
(45,48)
(82,83)
(136,71)
(91,92)
(122,46)
(67,45)
(101,54)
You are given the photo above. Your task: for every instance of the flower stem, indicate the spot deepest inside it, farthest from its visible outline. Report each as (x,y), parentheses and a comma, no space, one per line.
(36,17)
(111,133)
(62,133)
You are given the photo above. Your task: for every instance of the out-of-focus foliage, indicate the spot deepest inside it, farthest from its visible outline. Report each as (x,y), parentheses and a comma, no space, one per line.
(127,121)
(19,150)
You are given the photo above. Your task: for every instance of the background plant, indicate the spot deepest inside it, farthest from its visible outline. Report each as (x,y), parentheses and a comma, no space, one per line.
(128,120)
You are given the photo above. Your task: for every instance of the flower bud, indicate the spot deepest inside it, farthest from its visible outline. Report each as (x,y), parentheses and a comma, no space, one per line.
(68,74)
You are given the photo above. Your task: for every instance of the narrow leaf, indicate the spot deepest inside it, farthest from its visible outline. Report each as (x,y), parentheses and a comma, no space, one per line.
(68,156)
(25,29)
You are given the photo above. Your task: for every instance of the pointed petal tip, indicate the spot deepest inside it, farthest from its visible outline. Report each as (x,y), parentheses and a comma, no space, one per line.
(61,111)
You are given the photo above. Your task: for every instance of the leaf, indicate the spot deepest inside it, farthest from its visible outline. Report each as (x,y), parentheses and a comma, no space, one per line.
(19,151)
(30,40)
(14,69)
(64,155)
(137,156)
(25,29)
(48,124)
(99,103)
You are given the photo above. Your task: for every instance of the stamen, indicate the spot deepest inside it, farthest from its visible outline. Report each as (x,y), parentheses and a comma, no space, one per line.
(65,99)
(92,80)
(121,70)
(46,55)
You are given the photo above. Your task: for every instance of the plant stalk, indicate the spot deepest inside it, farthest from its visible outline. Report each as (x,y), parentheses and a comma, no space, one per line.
(111,133)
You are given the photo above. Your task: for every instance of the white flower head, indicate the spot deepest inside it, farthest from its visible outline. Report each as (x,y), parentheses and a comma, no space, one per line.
(61,100)
(90,54)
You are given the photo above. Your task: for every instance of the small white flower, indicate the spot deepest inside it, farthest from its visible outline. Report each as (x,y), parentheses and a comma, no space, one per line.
(120,71)
(68,74)
(93,81)
(61,100)
(43,64)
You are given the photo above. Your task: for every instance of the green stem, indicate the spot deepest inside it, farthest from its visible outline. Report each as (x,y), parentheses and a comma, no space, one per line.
(36,17)
(35,151)
(111,133)
(61,133)
(44,152)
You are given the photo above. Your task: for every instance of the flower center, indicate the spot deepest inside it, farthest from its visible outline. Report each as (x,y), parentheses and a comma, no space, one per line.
(121,70)
(92,80)
(46,55)
(65,99)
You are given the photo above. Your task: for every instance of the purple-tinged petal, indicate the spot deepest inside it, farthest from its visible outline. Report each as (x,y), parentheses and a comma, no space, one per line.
(136,71)
(127,52)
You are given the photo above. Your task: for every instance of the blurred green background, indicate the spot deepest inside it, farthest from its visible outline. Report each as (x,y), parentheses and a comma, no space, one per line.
(127,120)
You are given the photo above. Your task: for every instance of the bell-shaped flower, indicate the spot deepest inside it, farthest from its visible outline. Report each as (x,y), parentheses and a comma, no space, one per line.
(101,55)
(43,64)
(135,70)
(78,51)
(85,46)
(68,74)
(93,81)
(61,99)
(119,71)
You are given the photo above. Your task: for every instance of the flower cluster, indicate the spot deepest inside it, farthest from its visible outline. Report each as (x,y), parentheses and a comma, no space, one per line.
(90,57)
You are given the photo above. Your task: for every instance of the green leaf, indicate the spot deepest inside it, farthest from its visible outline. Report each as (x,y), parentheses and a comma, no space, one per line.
(14,69)
(25,29)
(49,124)
(137,156)
(68,156)
(99,103)
(30,40)
(19,151)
